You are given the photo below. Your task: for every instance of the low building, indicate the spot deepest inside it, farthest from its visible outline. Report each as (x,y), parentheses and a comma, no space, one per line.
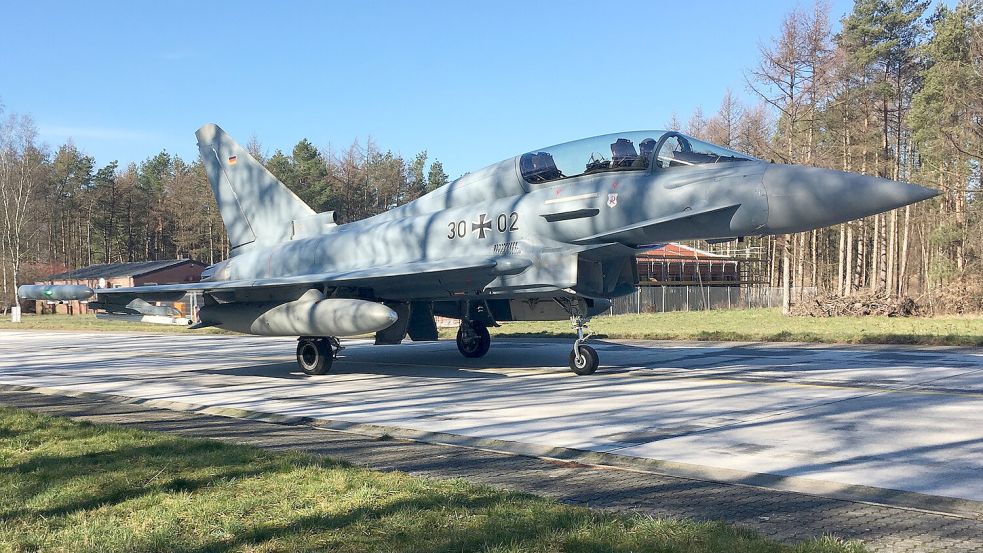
(680,265)
(678,277)
(120,275)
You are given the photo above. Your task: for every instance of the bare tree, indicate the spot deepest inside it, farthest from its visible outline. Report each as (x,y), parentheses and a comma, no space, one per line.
(674,124)
(724,127)
(754,131)
(255,149)
(22,163)
(817,50)
(780,79)
(697,124)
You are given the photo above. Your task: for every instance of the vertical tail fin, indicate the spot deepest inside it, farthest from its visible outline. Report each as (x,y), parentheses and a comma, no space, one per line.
(256,208)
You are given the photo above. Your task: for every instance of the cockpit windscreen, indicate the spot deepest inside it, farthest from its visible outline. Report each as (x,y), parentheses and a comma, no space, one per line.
(630,151)
(675,149)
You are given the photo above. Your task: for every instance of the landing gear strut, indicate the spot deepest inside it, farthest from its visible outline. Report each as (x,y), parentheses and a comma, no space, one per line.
(473,339)
(316,354)
(583,358)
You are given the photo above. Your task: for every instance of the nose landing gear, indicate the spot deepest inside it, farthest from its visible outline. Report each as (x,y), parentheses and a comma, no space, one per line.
(583,358)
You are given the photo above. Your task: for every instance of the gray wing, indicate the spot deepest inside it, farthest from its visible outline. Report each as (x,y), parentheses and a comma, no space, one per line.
(404,281)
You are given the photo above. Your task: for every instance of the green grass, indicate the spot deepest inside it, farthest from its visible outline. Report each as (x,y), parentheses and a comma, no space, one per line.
(76,487)
(767,325)
(89,322)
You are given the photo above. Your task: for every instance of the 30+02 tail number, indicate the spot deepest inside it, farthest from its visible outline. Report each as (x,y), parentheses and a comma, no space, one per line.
(505,222)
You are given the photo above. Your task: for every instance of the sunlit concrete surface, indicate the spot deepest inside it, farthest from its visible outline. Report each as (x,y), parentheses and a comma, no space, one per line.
(902,418)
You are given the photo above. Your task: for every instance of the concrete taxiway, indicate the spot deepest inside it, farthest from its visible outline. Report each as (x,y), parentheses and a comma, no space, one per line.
(838,418)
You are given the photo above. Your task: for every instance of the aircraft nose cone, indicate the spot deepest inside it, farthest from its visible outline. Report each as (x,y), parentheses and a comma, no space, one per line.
(804,198)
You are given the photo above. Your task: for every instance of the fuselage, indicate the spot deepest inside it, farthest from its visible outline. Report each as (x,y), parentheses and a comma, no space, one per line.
(509,209)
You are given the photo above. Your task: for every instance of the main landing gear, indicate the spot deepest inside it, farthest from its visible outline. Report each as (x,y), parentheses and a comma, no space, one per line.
(473,339)
(315,354)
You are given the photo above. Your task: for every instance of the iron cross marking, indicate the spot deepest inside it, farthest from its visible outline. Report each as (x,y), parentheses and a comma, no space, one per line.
(482,225)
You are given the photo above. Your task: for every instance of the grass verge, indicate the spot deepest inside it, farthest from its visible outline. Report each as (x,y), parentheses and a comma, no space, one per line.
(89,322)
(744,325)
(764,325)
(74,486)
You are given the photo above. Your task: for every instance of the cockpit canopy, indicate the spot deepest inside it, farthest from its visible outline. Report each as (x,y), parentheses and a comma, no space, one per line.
(629,151)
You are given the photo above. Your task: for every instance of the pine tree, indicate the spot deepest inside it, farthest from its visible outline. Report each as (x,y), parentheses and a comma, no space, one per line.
(105,214)
(436,177)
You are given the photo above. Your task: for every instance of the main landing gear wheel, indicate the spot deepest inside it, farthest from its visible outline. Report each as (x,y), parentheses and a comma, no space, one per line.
(473,339)
(314,355)
(585,363)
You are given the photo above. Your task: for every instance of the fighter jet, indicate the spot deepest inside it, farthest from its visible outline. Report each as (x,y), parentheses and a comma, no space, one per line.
(550,234)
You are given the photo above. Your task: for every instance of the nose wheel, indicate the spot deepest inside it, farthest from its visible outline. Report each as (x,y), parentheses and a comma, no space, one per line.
(583,358)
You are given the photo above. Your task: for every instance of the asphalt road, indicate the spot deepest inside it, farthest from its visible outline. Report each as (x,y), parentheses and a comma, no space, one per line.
(896,426)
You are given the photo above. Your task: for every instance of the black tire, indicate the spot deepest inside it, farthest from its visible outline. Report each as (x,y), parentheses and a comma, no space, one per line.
(314,355)
(588,361)
(479,343)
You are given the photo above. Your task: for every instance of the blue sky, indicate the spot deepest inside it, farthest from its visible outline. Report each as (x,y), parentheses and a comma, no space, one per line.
(472,83)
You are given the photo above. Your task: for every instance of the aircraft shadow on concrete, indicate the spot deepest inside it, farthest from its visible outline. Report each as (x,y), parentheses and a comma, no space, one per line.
(383,365)
(286,370)
(444,361)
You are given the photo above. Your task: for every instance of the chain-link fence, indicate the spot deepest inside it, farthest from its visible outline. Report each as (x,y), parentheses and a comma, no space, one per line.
(658,299)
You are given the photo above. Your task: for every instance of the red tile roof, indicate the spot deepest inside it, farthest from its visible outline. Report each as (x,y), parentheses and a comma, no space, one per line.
(678,251)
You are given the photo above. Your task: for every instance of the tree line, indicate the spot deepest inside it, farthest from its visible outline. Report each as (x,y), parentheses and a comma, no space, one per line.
(58,211)
(896,92)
